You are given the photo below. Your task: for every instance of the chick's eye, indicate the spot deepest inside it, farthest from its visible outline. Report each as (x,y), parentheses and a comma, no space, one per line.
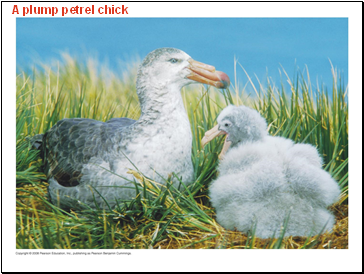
(227,124)
(173,60)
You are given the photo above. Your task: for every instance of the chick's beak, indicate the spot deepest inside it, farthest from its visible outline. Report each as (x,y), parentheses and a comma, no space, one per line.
(207,74)
(212,134)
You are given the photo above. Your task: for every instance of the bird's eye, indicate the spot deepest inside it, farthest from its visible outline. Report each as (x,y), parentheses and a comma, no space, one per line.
(173,60)
(227,124)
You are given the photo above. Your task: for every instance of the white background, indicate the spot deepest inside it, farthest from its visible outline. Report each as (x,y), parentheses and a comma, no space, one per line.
(193,260)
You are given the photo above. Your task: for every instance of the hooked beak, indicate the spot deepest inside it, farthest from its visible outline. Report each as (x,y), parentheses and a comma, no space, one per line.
(207,74)
(212,134)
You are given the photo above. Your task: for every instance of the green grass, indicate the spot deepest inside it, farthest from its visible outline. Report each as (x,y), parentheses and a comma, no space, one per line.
(167,218)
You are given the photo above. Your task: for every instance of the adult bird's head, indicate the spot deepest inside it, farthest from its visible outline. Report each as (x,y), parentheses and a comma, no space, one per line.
(239,124)
(173,68)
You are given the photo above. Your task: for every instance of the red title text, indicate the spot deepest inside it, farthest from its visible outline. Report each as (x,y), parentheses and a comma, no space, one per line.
(107,9)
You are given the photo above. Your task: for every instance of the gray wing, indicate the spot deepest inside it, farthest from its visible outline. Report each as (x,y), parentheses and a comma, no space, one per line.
(121,122)
(70,144)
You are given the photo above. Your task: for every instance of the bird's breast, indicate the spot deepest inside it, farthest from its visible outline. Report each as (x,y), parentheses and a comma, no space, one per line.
(162,147)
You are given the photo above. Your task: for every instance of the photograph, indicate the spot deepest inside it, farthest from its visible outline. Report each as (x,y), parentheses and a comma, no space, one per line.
(181,132)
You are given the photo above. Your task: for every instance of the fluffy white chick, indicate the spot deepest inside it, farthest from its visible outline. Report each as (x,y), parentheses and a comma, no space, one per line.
(264,180)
